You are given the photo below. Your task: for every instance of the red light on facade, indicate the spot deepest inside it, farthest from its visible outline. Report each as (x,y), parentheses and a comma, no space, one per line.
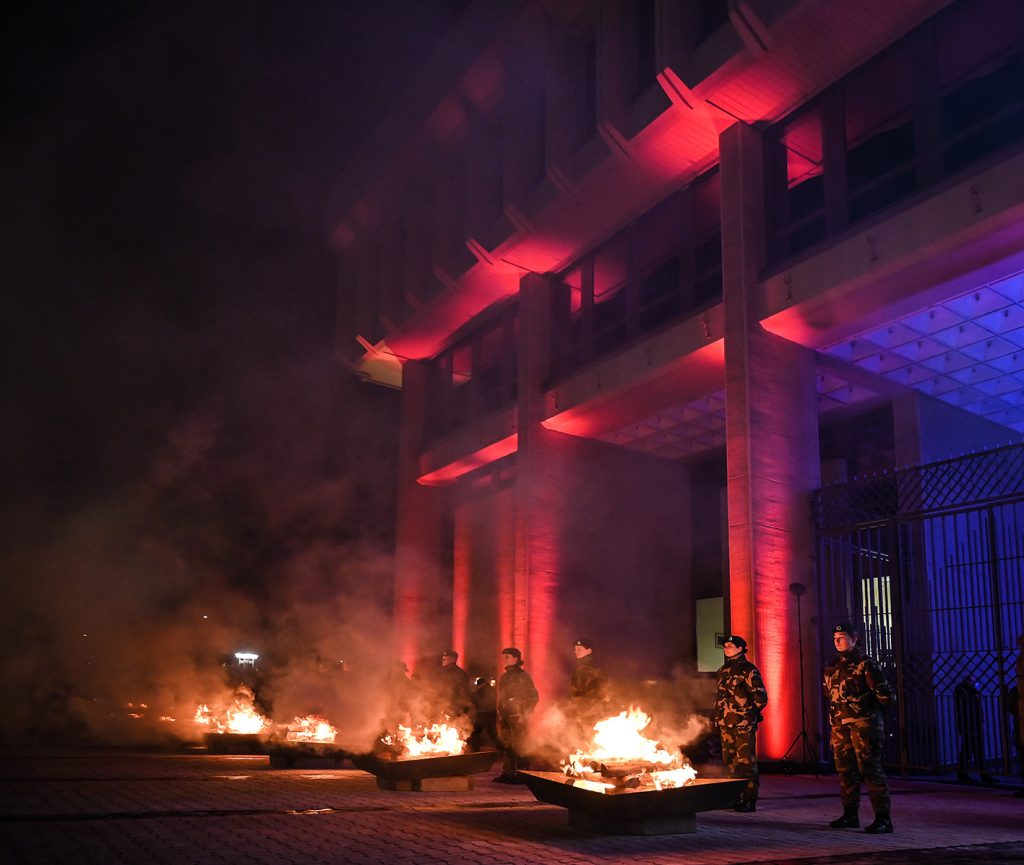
(482,457)
(482,85)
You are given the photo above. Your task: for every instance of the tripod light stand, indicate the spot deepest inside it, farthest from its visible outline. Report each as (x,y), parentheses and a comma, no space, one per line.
(806,751)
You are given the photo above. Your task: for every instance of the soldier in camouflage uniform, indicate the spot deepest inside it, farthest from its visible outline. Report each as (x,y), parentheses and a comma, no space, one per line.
(588,695)
(739,703)
(857,693)
(517,697)
(588,683)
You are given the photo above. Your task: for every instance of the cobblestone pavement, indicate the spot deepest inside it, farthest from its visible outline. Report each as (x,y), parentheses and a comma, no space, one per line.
(106,806)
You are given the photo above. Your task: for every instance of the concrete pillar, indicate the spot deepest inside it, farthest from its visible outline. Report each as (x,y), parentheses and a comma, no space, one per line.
(772,460)
(422,609)
(536,570)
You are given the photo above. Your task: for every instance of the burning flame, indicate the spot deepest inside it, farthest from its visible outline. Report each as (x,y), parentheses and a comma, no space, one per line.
(236,719)
(437,740)
(619,740)
(312,728)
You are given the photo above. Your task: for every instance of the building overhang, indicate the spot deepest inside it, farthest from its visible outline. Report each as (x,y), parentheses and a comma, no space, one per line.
(470,448)
(965,234)
(631,163)
(680,364)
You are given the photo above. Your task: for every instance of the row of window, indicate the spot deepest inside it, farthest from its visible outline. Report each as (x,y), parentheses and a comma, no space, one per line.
(943,97)
(665,265)
(661,267)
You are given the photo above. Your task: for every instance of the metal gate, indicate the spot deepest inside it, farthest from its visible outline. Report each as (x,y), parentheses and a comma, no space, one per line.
(929,563)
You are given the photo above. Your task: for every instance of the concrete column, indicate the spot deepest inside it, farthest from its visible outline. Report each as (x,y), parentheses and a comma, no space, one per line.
(422,612)
(772,459)
(536,571)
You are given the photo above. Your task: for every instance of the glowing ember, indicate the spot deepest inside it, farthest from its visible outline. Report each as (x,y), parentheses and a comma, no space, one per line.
(622,756)
(437,740)
(136,710)
(312,728)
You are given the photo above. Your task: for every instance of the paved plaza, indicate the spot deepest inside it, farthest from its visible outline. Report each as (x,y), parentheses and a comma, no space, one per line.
(87,806)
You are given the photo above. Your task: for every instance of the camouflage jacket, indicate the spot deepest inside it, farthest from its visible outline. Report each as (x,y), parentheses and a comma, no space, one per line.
(855,687)
(517,694)
(741,694)
(588,681)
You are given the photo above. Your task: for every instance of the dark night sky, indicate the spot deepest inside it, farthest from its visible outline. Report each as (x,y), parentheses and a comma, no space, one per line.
(174,424)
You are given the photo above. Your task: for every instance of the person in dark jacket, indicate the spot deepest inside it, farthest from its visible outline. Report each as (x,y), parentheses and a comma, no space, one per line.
(485,714)
(517,697)
(739,702)
(588,681)
(453,682)
(968,718)
(857,693)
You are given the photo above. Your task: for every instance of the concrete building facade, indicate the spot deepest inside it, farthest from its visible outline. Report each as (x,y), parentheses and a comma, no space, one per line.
(648,274)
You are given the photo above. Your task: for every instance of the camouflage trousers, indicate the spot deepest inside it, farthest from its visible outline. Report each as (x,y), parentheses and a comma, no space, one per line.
(739,753)
(512,733)
(857,749)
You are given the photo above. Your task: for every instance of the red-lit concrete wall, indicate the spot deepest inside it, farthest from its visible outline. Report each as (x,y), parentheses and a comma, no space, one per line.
(482,578)
(622,536)
(609,558)
(420,585)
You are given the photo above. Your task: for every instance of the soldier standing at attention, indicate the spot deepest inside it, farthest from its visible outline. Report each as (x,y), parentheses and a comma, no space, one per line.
(454,682)
(857,692)
(739,703)
(516,698)
(588,681)
(588,694)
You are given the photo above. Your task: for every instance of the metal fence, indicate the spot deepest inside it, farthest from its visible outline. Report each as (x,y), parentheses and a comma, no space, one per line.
(929,563)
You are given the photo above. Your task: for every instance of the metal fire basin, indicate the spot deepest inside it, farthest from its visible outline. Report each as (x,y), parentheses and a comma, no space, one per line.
(636,811)
(425,774)
(306,755)
(234,743)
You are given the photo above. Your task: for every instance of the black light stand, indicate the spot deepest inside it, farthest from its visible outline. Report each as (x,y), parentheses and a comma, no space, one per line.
(807,751)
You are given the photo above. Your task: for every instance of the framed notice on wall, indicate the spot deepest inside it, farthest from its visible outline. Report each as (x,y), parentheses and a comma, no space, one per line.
(710,634)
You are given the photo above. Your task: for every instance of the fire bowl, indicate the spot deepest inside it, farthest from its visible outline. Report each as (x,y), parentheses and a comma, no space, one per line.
(234,743)
(634,811)
(306,755)
(426,773)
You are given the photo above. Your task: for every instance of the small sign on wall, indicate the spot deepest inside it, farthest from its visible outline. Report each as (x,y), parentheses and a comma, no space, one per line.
(710,634)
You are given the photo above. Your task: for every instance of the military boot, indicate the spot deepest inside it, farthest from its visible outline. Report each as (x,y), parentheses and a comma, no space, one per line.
(881,826)
(849,820)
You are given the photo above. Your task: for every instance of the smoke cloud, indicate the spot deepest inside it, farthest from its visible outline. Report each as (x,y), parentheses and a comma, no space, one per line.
(190,470)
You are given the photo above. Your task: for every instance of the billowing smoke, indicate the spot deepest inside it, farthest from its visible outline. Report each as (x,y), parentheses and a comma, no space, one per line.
(130,610)
(190,471)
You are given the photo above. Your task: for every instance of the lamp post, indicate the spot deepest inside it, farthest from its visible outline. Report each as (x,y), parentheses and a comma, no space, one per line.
(806,751)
